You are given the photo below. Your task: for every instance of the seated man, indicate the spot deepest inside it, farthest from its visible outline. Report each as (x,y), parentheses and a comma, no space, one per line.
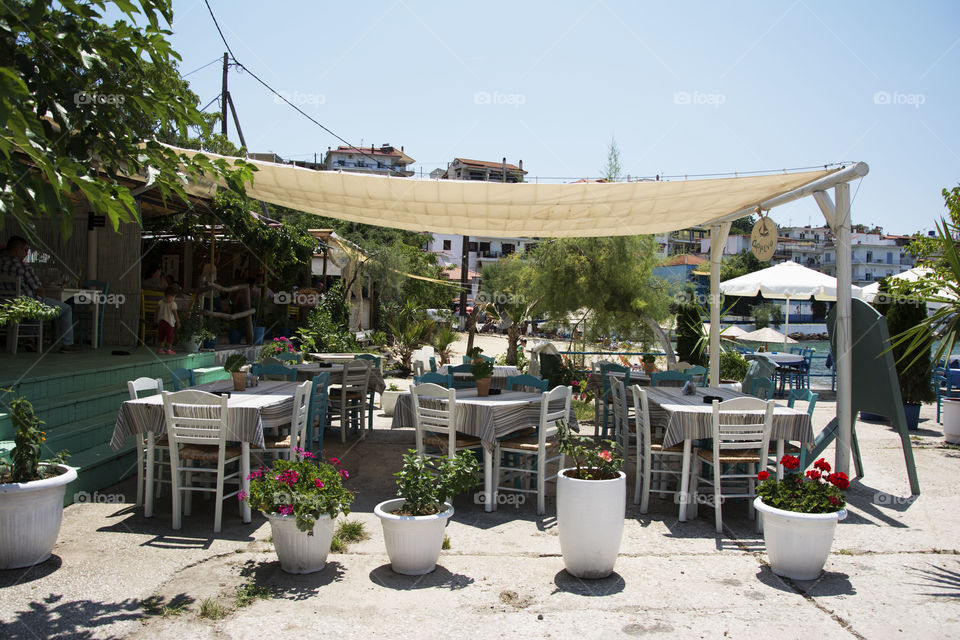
(12,264)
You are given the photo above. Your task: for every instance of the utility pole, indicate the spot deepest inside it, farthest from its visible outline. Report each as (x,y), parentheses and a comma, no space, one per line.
(223,98)
(464,262)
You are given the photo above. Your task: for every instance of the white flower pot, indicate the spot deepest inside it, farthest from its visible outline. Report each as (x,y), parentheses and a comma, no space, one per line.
(30,515)
(413,542)
(950,414)
(388,401)
(590,516)
(299,552)
(798,544)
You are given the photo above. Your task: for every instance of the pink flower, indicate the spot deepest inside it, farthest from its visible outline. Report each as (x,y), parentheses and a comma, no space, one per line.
(334,460)
(242,496)
(288,477)
(256,473)
(317,483)
(344,474)
(605,455)
(285,509)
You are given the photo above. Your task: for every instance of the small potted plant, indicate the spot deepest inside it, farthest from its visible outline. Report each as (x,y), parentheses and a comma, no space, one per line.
(413,524)
(191,331)
(301,498)
(388,399)
(236,366)
(591,505)
(31,492)
(275,347)
(799,516)
(649,363)
(482,371)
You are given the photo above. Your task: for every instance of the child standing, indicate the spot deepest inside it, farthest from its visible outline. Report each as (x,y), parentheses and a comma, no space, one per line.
(167,319)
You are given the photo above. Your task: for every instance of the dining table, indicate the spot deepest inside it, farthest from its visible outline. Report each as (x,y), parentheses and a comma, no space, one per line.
(249,412)
(487,418)
(687,417)
(787,365)
(89,296)
(307,370)
(497,381)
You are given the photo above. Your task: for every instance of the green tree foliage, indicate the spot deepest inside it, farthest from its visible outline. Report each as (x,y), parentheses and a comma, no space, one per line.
(743,225)
(612,170)
(509,288)
(904,313)
(690,333)
(740,264)
(85,102)
(766,314)
(929,249)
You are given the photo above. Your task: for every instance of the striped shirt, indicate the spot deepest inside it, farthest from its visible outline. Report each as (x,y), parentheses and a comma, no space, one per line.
(15,268)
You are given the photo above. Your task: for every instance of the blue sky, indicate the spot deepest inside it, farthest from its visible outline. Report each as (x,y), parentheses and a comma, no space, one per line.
(684,88)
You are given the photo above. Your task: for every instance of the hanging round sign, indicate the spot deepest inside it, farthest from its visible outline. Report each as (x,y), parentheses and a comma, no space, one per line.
(763,239)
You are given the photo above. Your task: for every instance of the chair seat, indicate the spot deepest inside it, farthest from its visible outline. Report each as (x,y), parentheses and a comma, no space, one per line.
(441,442)
(731,456)
(277,443)
(677,448)
(208,452)
(526,443)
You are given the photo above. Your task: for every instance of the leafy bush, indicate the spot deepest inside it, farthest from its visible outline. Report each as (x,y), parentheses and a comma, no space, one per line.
(733,366)
(592,462)
(327,326)
(690,334)
(818,492)
(234,363)
(22,308)
(766,314)
(913,373)
(274,348)
(425,487)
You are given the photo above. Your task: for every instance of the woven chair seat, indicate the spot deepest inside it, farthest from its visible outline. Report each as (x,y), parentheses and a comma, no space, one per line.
(677,448)
(208,453)
(277,443)
(732,456)
(527,443)
(441,442)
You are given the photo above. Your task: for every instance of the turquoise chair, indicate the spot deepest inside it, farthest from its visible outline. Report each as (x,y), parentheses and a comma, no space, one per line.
(182,378)
(433,364)
(289,357)
(607,392)
(274,371)
(944,386)
(317,412)
(760,367)
(803,395)
(469,360)
(525,382)
(461,383)
(83,320)
(698,371)
(376,363)
(657,377)
(762,388)
(432,377)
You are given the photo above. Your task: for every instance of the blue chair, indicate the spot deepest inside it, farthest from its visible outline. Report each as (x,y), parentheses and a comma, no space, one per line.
(461,383)
(183,378)
(83,314)
(444,380)
(679,377)
(317,413)
(943,383)
(762,388)
(803,395)
(289,357)
(433,364)
(526,382)
(469,360)
(371,396)
(274,372)
(607,391)
(698,371)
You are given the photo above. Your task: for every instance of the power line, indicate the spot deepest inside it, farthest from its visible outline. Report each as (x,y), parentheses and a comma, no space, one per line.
(214,61)
(274,92)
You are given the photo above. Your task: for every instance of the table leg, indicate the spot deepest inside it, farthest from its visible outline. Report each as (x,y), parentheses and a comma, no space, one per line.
(244,479)
(685,480)
(487,479)
(148,489)
(95,323)
(779,458)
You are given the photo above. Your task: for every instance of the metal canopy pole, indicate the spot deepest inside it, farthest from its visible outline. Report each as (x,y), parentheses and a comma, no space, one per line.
(844,327)
(718,240)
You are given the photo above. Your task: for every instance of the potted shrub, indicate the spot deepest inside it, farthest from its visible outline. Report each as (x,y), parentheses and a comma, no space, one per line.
(799,516)
(591,505)
(211,329)
(191,331)
(236,365)
(388,399)
(31,493)
(649,365)
(274,348)
(482,371)
(413,524)
(301,498)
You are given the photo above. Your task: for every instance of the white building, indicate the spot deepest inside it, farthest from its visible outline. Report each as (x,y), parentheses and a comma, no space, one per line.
(383,160)
(873,256)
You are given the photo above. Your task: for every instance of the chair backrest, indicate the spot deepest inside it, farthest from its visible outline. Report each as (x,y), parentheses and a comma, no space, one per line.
(550,412)
(9,286)
(697,371)
(742,423)
(762,388)
(300,418)
(274,372)
(355,380)
(442,379)
(154,385)
(182,378)
(803,395)
(759,367)
(437,415)
(461,368)
(148,303)
(610,367)
(289,357)
(618,398)
(641,412)
(376,360)
(469,360)
(526,382)
(195,417)
(433,364)
(658,377)
(318,399)
(418,368)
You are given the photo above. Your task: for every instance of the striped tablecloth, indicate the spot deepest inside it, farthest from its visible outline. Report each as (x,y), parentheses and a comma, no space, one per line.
(595,382)
(487,418)
(308,370)
(268,405)
(688,418)
(497,381)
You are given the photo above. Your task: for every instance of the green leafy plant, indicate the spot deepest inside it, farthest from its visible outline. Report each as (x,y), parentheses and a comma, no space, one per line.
(305,488)
(424,487)
(733,366)
(480,367)
(234,363)
(592,461)
(442,341)
(24,308)
(690,343)
(249,592)
(25,463)
(275,347)
(192,327)
(903,314)
(326,328)
(816,492)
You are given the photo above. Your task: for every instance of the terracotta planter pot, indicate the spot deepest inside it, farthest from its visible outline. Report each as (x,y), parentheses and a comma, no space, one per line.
(649,367)
(483,387)
(239,380)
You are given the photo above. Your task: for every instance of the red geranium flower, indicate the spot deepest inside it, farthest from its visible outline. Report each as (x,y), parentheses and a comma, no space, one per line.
(839,480)
(790,462)
(763,475)
(605,455)
(813,474)
(823,465)
(834,500)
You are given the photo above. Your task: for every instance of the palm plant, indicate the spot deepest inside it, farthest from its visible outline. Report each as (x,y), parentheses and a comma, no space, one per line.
(443,339)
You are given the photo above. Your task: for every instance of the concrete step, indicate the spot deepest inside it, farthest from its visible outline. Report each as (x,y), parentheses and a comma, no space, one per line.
(99,467)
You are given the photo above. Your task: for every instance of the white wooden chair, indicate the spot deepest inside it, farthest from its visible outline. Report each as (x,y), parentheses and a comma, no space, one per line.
(196,439)
(348,401)
(146,445)
(298,436)
(542,446)
(436,422)
(418,368)
(739,438)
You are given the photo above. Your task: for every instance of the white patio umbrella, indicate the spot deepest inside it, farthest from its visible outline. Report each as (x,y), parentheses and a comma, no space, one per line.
(785,281)
(767,335)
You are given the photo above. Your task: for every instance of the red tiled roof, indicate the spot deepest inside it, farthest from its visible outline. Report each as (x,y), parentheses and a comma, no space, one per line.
(485,163)
(368,151)
(454,274)
(686,258)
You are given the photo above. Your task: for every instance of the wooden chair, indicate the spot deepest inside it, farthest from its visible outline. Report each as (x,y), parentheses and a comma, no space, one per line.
(83,314)
(348,401)
(739,438)
(317,418)
(605,369)
(202,440)
(376,362)
(182,378)
(10,287)
(142,387)
(674,378)
(297,438)
(444,380)
(432,361)
(542,446)
(149,298)
(698,372)
(461,383)
(762,388)
(289,357)
(418,368)
(274,372)
(526,382)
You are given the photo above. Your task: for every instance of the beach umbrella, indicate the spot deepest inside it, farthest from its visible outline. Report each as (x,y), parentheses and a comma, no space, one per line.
(767,335)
